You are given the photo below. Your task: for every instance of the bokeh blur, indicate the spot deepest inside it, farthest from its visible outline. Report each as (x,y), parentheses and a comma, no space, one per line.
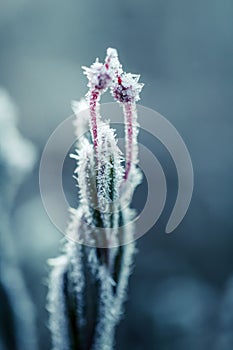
(181,294)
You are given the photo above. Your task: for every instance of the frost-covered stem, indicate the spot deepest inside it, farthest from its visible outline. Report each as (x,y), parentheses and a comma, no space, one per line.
(99,79)
(112,293)
(131,132)
(126,91)
(129,137)
(59,321)
(93,104)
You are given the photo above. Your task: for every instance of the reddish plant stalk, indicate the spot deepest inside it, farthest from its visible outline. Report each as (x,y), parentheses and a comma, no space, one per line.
(128,113)
(94,98)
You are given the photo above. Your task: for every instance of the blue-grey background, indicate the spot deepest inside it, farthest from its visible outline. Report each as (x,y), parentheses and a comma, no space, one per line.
(180,295)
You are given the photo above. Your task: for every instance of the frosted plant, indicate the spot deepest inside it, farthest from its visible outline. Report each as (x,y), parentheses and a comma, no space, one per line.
(17,156)
(88,282)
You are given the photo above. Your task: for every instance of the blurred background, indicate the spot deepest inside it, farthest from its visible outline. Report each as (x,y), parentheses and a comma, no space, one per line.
(181,291)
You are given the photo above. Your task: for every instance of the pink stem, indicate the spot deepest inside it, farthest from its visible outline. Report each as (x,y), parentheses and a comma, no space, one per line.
(93,114)
(129,137)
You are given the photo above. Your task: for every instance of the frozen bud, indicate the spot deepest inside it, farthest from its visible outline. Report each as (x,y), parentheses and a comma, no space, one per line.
(127,88)
(98,76)
(112,62)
